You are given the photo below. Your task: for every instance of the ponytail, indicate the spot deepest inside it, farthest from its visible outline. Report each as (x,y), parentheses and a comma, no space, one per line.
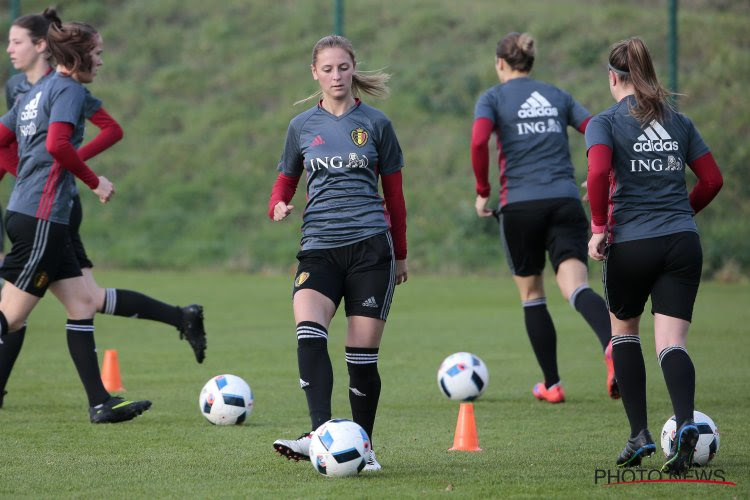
(631,61)
(38,24)
(370,82)
(71,45)
(517,49)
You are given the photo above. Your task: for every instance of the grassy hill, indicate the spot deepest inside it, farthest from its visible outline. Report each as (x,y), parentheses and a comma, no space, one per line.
(205,91)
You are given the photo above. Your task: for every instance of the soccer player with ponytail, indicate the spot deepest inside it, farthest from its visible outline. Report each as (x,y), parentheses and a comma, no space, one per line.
(30,55)
(644,232)
(353,247)
(540,208)
(47,122)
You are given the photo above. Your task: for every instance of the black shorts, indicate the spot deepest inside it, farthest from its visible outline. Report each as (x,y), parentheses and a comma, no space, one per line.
(529,228)
(667,267)
(76,216)
(41,253)
(364,273)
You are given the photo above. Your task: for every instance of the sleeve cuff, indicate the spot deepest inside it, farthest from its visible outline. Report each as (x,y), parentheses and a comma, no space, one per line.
(597,229)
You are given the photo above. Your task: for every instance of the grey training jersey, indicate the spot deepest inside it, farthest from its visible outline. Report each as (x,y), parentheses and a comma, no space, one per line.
(43,188)
(648,196)
(342,157)
(17,86)
(531,120)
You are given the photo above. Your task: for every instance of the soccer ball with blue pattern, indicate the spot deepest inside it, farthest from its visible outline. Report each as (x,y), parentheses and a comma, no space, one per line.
(708,438)
(463,376)
(226,400)
(339,448)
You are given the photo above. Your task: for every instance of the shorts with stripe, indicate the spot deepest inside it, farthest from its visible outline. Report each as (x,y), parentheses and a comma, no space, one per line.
(76,217)
(529,228)
(363,273)
(668,268)
(41,253)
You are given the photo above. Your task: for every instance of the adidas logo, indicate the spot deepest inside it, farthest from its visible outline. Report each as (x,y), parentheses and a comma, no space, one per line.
(655,138)
(535,106)
(303,383)
(370,302)
(30,110)
(318,141)
(357,393)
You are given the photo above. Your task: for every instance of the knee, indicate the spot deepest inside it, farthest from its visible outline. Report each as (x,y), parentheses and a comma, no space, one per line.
(83,307)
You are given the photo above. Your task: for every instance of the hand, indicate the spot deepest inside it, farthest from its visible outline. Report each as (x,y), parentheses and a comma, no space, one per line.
(585,187)
(105,190)
(481,206)
(597,243)
(281,211)
(402,272)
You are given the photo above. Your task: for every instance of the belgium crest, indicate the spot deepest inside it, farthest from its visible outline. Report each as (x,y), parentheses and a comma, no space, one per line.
(360,136)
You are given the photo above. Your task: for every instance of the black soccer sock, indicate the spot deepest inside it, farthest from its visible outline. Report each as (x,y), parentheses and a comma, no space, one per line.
(136,305)
(83,351)
(9,349)
(679,374)
(315,370)
(630,371)
(543,338)
(3,325)
(364,385)
(594,310)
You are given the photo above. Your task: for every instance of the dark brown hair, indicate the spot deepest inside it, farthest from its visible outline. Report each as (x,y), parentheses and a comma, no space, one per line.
(369,82)
(517,49)
(631,61)
(71,45)
(38,24)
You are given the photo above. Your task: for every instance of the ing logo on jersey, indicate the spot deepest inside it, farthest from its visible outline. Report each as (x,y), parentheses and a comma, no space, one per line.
(359,136)
(301,278)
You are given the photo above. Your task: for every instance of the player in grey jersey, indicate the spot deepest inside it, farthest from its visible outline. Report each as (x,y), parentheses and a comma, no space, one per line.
(643,230)
(351,247)
(540,210)
(29,54)
(45,122)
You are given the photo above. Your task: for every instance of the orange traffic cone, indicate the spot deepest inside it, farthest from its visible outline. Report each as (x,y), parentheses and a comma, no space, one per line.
(465,438)
(111,372)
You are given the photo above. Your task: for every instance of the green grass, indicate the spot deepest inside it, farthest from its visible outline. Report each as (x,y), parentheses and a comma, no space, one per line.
(48,448)
(205,91)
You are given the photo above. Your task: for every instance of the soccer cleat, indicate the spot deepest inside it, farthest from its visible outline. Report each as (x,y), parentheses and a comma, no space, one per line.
(117,409)
(294,449)
(612,387)
(683,446)
(191,329)
(554,394)
(372,462)
(2,396)
(635,449)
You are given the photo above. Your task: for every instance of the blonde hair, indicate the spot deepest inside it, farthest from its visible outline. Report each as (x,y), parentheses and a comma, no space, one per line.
(369,82)
(631,61)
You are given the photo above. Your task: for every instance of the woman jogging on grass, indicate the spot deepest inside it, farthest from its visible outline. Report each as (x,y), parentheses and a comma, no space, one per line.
(29,54)
(643,230)
(540,208)
(45,122)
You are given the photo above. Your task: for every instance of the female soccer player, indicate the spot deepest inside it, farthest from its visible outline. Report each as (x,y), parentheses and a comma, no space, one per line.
(643,230)
(540,208)
(46,122)
(28,51)
(351,246)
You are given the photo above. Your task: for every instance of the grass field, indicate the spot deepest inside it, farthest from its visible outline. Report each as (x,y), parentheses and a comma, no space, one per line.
(531,449)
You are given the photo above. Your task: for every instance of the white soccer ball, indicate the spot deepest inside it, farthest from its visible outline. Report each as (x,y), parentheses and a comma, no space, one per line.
(708,441)
(226,400)
(463,376)
(339,448)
